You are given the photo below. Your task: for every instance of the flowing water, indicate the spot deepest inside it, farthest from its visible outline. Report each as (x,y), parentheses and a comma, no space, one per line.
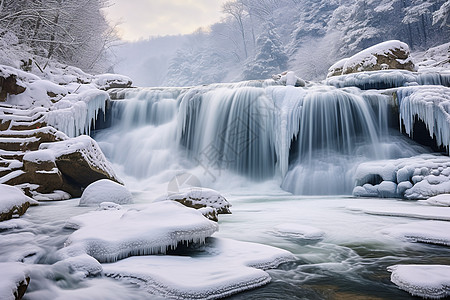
(279,155)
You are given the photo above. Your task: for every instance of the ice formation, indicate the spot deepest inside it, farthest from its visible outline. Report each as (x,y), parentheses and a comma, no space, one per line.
(388,79)
(84,264)
(227,268)
(426,281)
(110,235)
(432,232)
(417,177)
(431,104)
(105,190)
(76,113)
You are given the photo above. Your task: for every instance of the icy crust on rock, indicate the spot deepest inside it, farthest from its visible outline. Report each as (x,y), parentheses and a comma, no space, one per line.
(85,145)
(299,231)
(432,232)
(431,104)
(417,177)
(225,267)
(11,197)
(76,113)
(386,79)
(110,235)
(426,281)
(12,275)
(105,190)
(200,197)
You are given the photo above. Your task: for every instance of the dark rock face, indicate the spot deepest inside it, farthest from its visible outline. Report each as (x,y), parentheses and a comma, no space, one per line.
(21,289)
(9,85)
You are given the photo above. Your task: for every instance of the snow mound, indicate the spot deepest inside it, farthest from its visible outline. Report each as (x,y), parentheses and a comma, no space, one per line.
(12,198)
(439,200)
(417,177)
(427,281)
(431,104)
(434,59)
(13,275)
(110,235)
(298,231)
(225,267)
(432,232)
(200,197)
(83,264)
(105,190)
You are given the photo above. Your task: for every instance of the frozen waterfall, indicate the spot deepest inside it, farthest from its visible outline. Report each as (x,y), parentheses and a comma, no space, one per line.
(308,139)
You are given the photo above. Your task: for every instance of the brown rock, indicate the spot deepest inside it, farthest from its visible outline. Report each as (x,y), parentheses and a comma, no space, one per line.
(9,85)
(15,210)
(21,288)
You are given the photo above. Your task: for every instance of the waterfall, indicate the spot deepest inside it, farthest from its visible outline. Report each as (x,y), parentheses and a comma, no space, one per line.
(309,139)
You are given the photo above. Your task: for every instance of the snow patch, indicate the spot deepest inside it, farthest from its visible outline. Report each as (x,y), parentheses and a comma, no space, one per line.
(105,190)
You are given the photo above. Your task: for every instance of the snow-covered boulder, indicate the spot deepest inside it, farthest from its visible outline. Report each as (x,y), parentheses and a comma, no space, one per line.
(289,78)
(417,177)
(225,267)
(15,280)
(84,264)
(426,281)
(110,235)
(384,56)
(200,197)
(81,162)
(110,81)
(13,202)
(105,190)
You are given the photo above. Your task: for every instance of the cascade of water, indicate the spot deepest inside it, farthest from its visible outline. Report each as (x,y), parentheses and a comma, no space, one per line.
(310,138)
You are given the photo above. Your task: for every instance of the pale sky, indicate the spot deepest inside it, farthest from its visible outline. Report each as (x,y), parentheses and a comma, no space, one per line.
(141,19)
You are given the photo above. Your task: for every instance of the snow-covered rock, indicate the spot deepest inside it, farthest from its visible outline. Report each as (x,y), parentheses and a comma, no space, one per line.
(13,202)
(432,232)
(105,190)
(426,281)
(81,160)
(225,267)
(337,68)
(387,55)
(417,177)
(110,235)
(15,280)
(200,197)
(110,81)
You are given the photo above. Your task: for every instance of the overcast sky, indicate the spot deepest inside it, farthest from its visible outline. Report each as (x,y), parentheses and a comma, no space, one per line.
(141,19)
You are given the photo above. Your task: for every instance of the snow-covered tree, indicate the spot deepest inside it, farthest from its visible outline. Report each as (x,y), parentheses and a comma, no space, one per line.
(270,57)
(71,31)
